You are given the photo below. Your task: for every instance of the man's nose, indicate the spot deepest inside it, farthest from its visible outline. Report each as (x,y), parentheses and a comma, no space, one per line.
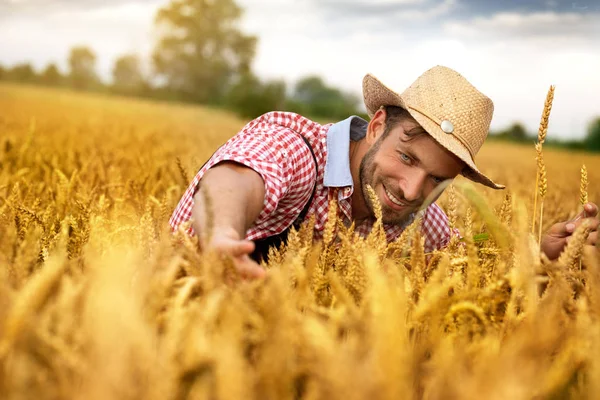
(412,187)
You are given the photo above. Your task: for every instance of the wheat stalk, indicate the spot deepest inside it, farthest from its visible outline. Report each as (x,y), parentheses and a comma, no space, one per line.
(452,207)
(583,195)
(542,131)
(575,246)
(182,171)
(209,217)
(542,186)
(30,300)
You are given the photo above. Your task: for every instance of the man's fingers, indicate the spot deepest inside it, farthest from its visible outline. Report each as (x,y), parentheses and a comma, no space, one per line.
(234,248)
(593,239)
(566,229)
(593,223)
(563,229)
(242,247)
(248,269)
(590,209)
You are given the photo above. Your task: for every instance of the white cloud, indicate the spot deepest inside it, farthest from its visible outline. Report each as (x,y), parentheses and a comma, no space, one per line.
(279,17)
(388,14)
(514,71)
(110,31)
(371,3)
(517,57)
(428,13)
(547,26)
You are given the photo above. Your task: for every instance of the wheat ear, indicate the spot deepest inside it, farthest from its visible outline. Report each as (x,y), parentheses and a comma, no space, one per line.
(583,195)
(31,299)
(542,187)
(182,171)
(542,132)
(583,188)
(209,216)
(575,246)
(452,207)
(543,129)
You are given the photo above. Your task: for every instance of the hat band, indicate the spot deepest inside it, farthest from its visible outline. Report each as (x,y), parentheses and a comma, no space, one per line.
(438,122)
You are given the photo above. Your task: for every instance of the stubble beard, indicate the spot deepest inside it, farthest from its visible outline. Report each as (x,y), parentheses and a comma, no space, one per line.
(366,176)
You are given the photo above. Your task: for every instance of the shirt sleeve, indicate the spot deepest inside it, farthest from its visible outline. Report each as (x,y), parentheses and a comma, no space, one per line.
(284,162)
(435,228)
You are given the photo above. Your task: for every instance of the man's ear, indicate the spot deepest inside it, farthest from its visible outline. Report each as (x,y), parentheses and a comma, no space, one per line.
(376,126)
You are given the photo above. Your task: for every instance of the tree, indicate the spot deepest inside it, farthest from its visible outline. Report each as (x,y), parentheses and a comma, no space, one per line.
(314,97)
(515,132)
(51,75)
(22,73)
(201,52)
(249,97)
(127,75)
(82,62)
(592,140)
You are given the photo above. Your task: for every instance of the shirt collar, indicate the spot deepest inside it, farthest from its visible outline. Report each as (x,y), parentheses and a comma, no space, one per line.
(337,163)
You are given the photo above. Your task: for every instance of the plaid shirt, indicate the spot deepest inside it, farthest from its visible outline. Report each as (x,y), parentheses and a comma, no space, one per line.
(272,147)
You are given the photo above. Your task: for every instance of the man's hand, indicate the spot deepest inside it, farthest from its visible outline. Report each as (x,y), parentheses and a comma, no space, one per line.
(229,243)
(555,240)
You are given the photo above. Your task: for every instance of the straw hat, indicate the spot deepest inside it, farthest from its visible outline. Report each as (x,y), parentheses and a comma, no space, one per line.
(448,107)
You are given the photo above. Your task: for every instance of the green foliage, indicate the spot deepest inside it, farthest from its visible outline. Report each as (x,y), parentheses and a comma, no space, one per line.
(576,145)
(201,51)
(250,97)
(22,73)
(313,97)
(516,132)
(592,140)
(51,75)
(127,75)
(82,63)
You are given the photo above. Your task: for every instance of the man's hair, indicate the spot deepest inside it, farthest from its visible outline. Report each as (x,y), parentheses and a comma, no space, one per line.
(394,115)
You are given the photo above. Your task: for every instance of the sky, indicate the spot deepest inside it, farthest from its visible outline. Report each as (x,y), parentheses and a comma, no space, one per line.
(511,50)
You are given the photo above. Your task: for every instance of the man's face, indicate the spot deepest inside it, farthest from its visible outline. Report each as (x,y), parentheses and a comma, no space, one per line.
(404,170)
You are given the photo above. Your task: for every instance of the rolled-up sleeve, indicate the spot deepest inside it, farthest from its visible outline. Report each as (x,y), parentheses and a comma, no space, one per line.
(284,162)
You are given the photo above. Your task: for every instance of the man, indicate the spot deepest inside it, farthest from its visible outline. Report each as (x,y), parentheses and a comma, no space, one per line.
(282,168)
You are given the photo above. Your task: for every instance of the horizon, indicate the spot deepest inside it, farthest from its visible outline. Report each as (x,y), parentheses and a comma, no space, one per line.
(511,51)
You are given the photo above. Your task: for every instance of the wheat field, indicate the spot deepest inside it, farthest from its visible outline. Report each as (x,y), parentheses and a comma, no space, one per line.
(98,300)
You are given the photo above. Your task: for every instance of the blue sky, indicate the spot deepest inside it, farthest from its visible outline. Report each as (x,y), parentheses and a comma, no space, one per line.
(512,50)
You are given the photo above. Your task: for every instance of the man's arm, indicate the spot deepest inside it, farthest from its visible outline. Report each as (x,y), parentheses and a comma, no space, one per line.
(237,195)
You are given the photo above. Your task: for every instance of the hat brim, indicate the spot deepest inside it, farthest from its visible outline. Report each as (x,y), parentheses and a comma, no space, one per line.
(376,94)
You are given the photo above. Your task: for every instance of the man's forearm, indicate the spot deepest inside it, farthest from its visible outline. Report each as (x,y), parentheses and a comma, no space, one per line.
(237,195)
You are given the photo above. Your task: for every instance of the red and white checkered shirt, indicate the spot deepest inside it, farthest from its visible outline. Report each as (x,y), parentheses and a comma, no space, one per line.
(271,145)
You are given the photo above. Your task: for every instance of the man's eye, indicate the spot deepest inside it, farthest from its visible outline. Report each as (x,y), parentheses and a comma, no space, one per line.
(437,180)
(404,157)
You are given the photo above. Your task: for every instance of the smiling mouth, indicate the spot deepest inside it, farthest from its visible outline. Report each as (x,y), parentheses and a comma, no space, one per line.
(394,199)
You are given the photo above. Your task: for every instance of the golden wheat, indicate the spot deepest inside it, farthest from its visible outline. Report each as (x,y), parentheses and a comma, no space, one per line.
(540,182)
(99,300)
(583,188)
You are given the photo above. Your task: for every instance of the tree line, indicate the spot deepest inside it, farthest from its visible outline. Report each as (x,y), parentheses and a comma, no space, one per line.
(201,56)
(517,133)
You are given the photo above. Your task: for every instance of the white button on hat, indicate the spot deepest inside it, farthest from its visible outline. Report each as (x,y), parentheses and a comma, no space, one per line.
(447,126)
